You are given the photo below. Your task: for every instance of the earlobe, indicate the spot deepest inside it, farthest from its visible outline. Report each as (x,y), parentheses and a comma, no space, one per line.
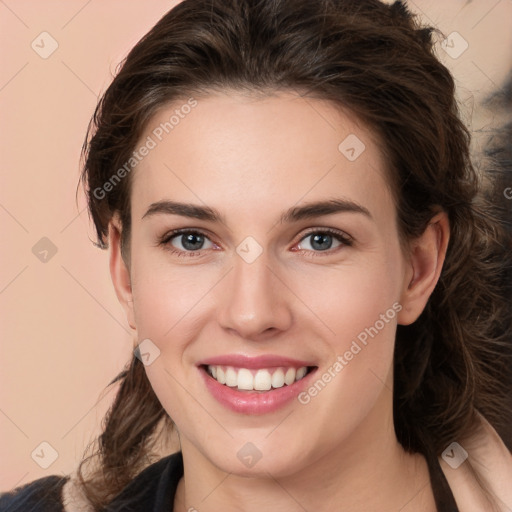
(425,264)
(119,271)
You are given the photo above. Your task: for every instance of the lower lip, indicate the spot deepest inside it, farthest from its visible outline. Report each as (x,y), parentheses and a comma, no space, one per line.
(247,402)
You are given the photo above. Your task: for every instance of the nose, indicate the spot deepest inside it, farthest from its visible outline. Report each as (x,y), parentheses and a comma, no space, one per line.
(254,301)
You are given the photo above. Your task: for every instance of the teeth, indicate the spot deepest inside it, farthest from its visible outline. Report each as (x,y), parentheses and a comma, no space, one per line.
(289,377)
(301,372)
(245,379)
(231,377)
(262,380)
(278,379)
(259,380)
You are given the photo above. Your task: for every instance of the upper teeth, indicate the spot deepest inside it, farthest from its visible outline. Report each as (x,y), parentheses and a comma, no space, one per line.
(259,380)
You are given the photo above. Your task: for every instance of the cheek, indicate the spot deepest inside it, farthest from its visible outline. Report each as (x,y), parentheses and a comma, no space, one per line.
(361,315)
(358,307)
(361,310)
(167,303)
(166,297)
(348,299)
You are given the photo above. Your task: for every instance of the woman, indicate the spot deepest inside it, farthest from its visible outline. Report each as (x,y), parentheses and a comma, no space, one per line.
(313,277)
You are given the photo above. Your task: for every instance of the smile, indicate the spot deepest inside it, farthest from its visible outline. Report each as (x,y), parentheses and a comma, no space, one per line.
(255,385)
(264,379)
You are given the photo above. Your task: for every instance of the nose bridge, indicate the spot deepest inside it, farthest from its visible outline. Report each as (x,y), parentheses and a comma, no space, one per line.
(253,299)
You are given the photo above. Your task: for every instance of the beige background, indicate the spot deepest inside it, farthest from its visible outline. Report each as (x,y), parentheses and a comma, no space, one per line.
(63,334)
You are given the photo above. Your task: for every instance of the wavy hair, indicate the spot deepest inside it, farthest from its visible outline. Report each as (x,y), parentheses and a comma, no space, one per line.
(377,61)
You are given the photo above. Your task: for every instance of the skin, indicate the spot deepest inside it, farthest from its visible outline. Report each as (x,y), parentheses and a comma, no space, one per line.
(252,159)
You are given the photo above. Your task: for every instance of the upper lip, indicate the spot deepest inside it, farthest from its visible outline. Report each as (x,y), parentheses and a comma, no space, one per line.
(263,361)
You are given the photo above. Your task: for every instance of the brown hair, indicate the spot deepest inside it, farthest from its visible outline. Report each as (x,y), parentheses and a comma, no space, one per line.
(376,61)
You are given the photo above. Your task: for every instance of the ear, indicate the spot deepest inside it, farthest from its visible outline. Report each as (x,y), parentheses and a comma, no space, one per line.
(424,267)
(119,271)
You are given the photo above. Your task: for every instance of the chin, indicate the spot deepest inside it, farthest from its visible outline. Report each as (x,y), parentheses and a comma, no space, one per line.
(247,460)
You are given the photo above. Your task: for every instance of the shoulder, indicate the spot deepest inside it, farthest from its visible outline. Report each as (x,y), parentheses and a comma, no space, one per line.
(153,489)
(484,476)
(42,495)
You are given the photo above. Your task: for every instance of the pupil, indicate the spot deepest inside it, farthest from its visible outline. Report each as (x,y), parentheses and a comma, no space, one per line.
(321,237)
(189,239)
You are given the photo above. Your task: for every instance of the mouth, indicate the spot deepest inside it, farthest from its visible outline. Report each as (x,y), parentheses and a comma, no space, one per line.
(260,380)
(255,386)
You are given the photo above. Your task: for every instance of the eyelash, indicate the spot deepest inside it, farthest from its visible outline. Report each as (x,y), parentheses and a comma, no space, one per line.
(339,235)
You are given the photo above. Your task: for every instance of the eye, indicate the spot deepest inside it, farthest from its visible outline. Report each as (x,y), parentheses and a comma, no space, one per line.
(321,240)
(189,242)
(185,242)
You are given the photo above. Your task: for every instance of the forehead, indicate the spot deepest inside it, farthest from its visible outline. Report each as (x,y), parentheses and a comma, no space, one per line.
(252,153)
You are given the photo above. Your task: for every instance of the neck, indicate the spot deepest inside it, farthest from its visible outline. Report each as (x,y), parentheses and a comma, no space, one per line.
(368,471)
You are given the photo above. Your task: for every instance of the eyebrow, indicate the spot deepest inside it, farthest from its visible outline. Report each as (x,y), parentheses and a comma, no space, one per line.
(294,214)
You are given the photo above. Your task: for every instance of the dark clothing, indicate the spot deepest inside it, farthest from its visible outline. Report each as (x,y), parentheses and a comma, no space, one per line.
(153,490)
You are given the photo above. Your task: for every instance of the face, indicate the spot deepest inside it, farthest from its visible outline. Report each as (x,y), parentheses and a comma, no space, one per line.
(260,285)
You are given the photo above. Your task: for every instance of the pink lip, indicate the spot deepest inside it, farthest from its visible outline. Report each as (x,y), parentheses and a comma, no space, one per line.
(254,402)
(266,361)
